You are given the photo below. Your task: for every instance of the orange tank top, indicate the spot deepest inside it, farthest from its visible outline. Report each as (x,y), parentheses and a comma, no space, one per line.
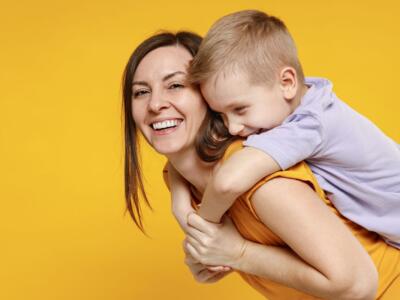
(385,257)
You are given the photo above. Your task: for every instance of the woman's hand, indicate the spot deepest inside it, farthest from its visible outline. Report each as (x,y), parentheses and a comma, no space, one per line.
(214,244)
(203,273)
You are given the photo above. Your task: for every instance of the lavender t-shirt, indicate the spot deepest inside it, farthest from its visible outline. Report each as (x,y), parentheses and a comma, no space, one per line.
(352,159)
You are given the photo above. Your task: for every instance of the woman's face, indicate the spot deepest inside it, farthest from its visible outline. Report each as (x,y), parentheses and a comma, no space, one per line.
(165,108)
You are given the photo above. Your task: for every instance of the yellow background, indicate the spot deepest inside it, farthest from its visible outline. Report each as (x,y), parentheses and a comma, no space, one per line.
(63,233)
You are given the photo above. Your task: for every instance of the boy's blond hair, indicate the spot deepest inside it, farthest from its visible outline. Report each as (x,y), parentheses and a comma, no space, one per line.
(248,41)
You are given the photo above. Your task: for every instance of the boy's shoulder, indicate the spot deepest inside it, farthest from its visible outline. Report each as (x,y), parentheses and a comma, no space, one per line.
(318,98)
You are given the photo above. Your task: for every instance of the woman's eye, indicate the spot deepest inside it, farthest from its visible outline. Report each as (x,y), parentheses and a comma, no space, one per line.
(139,93)
(175,86)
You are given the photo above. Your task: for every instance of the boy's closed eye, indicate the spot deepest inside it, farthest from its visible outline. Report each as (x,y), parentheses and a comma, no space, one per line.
(240,110)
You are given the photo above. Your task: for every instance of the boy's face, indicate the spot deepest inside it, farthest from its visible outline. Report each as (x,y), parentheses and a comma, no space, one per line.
(246,108)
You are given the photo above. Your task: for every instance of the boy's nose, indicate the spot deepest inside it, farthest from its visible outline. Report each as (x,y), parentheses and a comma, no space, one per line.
(235,129)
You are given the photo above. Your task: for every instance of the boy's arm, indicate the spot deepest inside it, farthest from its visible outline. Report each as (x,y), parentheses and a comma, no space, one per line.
(234,177)
(180,197)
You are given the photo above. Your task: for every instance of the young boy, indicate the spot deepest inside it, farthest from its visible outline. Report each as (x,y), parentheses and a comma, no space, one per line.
(249,72)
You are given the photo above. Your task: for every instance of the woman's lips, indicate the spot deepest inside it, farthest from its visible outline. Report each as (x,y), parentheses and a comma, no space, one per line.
(166,126)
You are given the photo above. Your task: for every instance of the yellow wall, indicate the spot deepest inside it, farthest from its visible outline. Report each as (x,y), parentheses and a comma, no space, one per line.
(63,234)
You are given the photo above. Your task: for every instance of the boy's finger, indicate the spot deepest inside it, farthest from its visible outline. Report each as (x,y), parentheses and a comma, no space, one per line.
(184,243)
(199,223)
(192,251)
(194,243)
(194,233)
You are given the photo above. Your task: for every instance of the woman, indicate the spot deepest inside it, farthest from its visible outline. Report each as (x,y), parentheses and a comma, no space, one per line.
(291,245)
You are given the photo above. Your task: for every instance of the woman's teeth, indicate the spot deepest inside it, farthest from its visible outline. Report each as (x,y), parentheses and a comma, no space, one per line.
(165,124)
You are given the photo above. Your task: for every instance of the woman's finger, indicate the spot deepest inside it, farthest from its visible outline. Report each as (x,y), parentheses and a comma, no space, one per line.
(203,275)
(216,277)
(211,277)
(206,276)
(219,268)
(223,274)
(215,268)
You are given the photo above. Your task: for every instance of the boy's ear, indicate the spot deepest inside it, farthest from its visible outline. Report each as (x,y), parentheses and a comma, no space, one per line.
(288,82)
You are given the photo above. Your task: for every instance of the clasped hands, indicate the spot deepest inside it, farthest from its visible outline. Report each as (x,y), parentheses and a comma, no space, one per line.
(212,250)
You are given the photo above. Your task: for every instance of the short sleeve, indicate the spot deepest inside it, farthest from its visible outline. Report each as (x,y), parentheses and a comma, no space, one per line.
(297,139)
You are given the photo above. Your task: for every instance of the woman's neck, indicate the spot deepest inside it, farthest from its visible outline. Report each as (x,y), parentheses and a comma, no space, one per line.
(192,168)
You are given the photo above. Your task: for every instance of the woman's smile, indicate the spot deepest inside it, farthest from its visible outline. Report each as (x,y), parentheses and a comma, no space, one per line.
(166,126)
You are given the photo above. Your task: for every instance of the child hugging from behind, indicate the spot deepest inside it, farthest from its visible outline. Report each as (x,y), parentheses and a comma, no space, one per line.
(249,72)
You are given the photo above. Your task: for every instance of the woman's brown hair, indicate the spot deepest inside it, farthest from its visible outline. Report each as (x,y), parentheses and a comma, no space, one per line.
(133,174)
(213,138)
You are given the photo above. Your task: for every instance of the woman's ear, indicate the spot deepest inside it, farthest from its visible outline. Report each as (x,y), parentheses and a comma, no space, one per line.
(288,82)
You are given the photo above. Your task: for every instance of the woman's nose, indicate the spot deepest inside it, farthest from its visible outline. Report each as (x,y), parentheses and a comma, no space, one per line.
(158,102)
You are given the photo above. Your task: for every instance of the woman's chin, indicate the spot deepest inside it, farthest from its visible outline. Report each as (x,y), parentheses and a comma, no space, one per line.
(167,147)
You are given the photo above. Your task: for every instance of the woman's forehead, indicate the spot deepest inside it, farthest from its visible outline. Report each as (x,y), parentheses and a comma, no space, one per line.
(161,62)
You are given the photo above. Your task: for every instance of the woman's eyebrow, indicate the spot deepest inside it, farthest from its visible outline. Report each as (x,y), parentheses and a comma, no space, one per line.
(172,75)
(140,83)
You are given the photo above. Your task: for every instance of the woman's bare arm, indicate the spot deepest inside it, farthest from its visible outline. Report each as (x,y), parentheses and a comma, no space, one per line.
(324,258)
(180,197)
